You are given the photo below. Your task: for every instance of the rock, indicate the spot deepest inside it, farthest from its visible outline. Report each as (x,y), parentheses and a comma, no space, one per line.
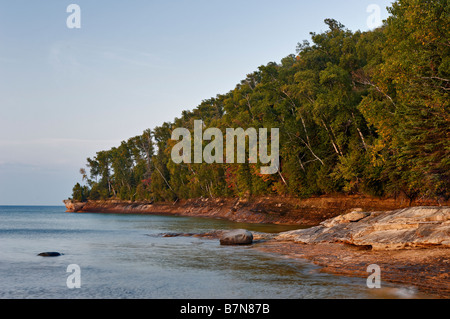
(50,254)
(237,237)
(73,206)
(169,235)
(352,217)
(214,234)
(414,227)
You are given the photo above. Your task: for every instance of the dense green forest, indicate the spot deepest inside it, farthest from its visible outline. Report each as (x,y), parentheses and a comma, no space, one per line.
(358,113)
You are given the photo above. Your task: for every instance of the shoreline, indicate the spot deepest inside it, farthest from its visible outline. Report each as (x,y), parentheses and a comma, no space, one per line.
(259,210)
(417,261)
(427,270)
(411,246)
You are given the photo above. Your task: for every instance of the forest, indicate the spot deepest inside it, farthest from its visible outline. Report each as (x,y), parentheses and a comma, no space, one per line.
(358,113)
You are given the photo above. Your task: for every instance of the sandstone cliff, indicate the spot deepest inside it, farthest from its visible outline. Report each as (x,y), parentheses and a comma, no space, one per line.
(275,210)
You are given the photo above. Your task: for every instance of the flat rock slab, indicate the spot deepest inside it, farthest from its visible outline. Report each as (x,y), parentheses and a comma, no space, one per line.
(236,237)
(414,227)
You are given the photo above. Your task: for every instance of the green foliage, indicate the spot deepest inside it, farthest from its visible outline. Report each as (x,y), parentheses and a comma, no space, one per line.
(80,193)
(358,112)
(409,100)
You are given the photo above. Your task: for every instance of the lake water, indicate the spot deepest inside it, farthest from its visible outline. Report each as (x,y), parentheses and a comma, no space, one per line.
(123,256)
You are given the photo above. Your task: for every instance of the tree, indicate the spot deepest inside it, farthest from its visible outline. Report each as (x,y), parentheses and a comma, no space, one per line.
(80,193)
(409,102)
(358,112)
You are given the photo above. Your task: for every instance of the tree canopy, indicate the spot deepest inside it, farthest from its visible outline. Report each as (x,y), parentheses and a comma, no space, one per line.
(358,112)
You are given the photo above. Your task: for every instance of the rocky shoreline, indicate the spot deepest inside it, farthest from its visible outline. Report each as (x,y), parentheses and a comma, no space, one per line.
(426,270)
(410,244)
(270,210)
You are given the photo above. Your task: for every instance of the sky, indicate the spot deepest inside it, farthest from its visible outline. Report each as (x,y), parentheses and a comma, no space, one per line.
(67,93)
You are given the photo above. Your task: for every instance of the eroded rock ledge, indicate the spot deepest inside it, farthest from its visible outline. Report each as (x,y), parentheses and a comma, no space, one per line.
(415,227)
(266,209)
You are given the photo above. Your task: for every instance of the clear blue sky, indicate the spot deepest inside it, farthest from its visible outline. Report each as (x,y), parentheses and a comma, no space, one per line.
(67,93)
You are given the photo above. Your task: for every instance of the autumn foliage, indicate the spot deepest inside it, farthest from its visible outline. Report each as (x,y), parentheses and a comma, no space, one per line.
(358,112)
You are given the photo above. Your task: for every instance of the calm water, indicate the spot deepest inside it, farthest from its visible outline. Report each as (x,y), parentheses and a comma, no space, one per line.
(122,256)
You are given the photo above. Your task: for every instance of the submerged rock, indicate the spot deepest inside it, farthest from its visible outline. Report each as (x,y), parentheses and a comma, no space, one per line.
(214,234)
(50,254)
(414,227)
(236,237)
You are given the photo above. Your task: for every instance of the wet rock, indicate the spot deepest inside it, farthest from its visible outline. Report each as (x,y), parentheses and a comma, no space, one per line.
(50,254)
(236,237)
(414,227)
(214,234)
(169,235)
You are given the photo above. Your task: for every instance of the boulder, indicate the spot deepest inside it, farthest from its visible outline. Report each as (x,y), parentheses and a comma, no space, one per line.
(236,237)
(50,254)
